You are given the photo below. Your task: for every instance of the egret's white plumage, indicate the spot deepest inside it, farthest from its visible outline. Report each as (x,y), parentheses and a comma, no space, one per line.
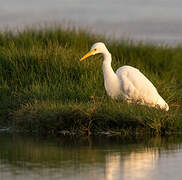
(128,82)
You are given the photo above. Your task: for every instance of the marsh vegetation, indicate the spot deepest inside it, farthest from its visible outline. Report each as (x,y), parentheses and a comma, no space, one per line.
(44,88)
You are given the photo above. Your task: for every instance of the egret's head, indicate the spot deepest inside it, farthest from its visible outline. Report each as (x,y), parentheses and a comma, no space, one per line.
(95,49)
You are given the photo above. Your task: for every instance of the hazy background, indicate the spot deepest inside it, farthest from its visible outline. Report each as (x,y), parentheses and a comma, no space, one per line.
(155,20)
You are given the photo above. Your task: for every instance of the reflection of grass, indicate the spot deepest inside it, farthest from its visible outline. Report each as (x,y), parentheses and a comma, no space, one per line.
(65,152)
(45,88)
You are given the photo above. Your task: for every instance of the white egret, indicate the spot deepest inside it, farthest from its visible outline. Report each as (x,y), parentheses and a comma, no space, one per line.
(128,83)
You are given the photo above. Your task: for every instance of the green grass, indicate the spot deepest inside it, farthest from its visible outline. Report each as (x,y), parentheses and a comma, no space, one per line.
(44,88)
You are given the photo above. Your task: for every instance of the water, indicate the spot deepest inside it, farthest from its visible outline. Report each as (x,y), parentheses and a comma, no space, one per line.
(157,20)
(112,158)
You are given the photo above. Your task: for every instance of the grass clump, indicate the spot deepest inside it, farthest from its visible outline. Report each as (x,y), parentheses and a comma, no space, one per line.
(44,87)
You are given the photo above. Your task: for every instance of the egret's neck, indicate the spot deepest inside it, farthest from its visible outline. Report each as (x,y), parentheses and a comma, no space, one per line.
(107,63)
(111,81)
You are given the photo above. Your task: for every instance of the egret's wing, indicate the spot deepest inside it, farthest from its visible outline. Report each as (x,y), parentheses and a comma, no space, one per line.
(135,86)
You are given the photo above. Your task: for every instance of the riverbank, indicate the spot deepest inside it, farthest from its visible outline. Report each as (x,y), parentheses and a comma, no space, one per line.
(44,88)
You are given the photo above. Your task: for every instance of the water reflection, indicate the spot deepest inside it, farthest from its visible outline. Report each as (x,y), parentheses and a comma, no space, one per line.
(141,164)
(100,158)
(113,166)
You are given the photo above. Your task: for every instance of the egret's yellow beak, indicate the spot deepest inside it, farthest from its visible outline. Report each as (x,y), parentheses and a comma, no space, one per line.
(88,54)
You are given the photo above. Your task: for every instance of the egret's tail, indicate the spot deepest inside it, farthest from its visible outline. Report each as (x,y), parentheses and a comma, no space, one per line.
(162,104)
